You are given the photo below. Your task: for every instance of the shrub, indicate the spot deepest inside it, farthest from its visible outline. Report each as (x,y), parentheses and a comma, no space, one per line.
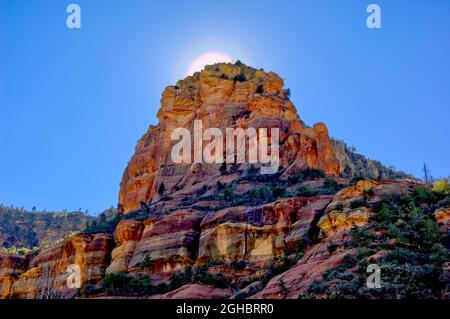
(260,89)
(147,262)
(91,289)
(305,191)
(357,203)
(120,284)
(238,265)
(116,283)
(424,195)
(180,278)
(278,191)
(442,187)
(305,175)
(332,248)
(355,179)
(202,276)
(227,194)
(368,192)
(331,186)
(240,77)
(103,226)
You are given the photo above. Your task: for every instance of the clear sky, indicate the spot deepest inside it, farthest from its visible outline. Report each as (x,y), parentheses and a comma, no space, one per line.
(73,103)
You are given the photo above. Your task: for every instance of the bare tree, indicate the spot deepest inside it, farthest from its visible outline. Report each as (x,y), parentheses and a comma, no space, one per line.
(427,175)
(47,284)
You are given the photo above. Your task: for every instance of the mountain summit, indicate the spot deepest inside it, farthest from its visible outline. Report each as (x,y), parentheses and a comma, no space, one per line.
(226,95)
(223,95)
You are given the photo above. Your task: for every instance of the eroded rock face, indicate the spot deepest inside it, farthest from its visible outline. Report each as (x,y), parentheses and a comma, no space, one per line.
(127,235)
(170,241)
(353,205)
(257,99)
(307,216)
(12,263)
(256,233)
(336,221)
(296,280)
(47,274)
(10,267)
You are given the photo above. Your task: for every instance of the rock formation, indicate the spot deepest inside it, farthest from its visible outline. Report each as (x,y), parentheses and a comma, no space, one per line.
(196,220)
(221,96)
(352,205)
(46,275)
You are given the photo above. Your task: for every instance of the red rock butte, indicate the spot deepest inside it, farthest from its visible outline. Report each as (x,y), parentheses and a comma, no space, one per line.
(221,96)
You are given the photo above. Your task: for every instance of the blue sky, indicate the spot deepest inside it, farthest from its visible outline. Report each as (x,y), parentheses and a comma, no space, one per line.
(73,103)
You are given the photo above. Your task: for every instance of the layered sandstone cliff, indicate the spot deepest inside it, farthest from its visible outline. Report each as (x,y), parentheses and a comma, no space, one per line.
(44,276)
(221,96)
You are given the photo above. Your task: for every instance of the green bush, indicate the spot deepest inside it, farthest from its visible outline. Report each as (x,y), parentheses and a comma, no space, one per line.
(240,78)
(121,284)
(238,265)
(425,195)
(331,186)
(305,191)
(147,262)
(278,191)
(103,225)
(357,203)
(202,276)
(180,278)
(306,175)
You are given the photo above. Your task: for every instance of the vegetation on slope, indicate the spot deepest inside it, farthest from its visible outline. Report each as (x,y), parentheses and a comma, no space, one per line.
(21,230)
(411,253)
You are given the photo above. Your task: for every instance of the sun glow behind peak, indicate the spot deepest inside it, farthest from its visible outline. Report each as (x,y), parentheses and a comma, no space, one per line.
(207,58)
(207,52)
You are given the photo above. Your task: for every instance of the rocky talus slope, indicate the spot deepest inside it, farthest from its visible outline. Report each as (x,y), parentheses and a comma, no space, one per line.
(226,231)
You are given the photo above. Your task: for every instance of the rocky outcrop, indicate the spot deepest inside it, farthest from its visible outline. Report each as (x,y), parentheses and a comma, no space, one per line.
(126,236)
(171,242)
(221,96)
(354,205)
(352,163)
(305,228)
(197,291)
(256,233)
(47,274)
(336,221)
(296,280)
(10,267)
